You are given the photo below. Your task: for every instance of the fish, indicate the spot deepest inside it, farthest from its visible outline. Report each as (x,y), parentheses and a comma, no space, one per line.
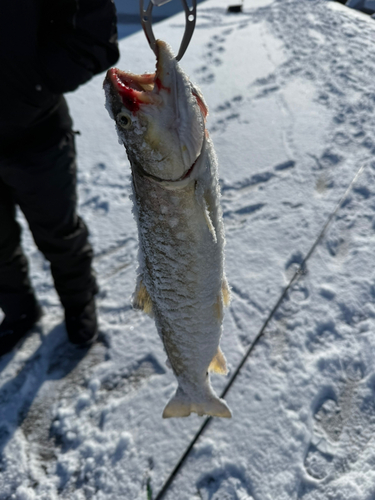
(160,118)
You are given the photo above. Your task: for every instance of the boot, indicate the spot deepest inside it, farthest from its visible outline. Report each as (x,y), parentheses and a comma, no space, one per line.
(14,327)
(82,324)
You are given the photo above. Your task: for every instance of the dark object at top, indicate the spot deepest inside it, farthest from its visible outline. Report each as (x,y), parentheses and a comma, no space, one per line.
(235,8)
(49,48)
(77,39)
(190,19)
(367,7)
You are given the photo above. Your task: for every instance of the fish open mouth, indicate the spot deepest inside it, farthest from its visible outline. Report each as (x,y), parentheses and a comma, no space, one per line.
(134,90)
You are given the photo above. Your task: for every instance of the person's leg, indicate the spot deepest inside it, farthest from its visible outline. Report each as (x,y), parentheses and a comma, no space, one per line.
(17,299)
(45,190)
(16,294)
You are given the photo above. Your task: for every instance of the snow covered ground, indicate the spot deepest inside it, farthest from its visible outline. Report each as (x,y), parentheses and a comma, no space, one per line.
(290,85)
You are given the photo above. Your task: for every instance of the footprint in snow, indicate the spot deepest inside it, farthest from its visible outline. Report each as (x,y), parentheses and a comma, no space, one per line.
(299,293)
(229,104)
(284,166)
(343,426)
(128,379)
(325,334)
(328,423)
(230,109)
(96,204)
(228,484)
(210,78)
(255,181)
(294,264)
(265,92)
(216,47)
(240,215)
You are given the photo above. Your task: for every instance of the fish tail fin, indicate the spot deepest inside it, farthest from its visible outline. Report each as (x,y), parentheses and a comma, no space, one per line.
(218,363)
(182,405)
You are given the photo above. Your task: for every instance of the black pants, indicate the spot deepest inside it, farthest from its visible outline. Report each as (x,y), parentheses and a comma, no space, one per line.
(43,184)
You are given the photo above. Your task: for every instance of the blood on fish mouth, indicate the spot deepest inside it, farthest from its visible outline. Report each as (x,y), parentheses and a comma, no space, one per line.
(134,90)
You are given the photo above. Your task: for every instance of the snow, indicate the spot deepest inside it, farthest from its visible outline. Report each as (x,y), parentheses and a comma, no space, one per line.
(290,90)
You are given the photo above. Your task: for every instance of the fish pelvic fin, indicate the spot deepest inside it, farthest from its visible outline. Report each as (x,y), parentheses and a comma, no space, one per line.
(182,406)
(142,299)
(225,290)
(223,300)
(218,363)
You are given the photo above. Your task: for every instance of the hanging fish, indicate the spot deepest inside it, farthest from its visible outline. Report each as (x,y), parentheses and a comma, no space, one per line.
(160,118)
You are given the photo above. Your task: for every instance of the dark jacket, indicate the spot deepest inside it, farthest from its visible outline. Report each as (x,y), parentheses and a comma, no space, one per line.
(48,47)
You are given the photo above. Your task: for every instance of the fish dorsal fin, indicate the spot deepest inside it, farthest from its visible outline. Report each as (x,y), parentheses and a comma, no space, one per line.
(218,363)
(142,299)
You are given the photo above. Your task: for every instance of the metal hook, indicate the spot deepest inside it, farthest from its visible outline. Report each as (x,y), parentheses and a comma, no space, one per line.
(190,19)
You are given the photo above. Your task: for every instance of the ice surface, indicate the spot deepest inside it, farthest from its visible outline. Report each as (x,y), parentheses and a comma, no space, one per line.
(291,128)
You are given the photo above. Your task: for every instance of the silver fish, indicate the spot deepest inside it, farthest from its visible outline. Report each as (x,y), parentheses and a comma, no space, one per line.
(160,118)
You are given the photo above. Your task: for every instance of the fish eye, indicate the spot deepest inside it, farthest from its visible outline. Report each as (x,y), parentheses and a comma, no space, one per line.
(123,119)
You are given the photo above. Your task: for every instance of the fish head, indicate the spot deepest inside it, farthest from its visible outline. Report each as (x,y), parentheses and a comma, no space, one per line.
(160,117)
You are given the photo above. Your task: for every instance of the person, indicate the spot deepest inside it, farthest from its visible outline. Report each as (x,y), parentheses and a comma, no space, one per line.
(47,48)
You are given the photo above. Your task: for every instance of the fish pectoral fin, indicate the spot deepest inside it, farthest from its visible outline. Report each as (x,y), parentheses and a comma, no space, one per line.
(218,363)
(207,216)
(142,299)
(225,290)
(181,405)
(218,308)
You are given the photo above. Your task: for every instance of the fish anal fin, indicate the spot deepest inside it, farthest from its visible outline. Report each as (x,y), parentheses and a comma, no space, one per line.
(142,299)
(218,363)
